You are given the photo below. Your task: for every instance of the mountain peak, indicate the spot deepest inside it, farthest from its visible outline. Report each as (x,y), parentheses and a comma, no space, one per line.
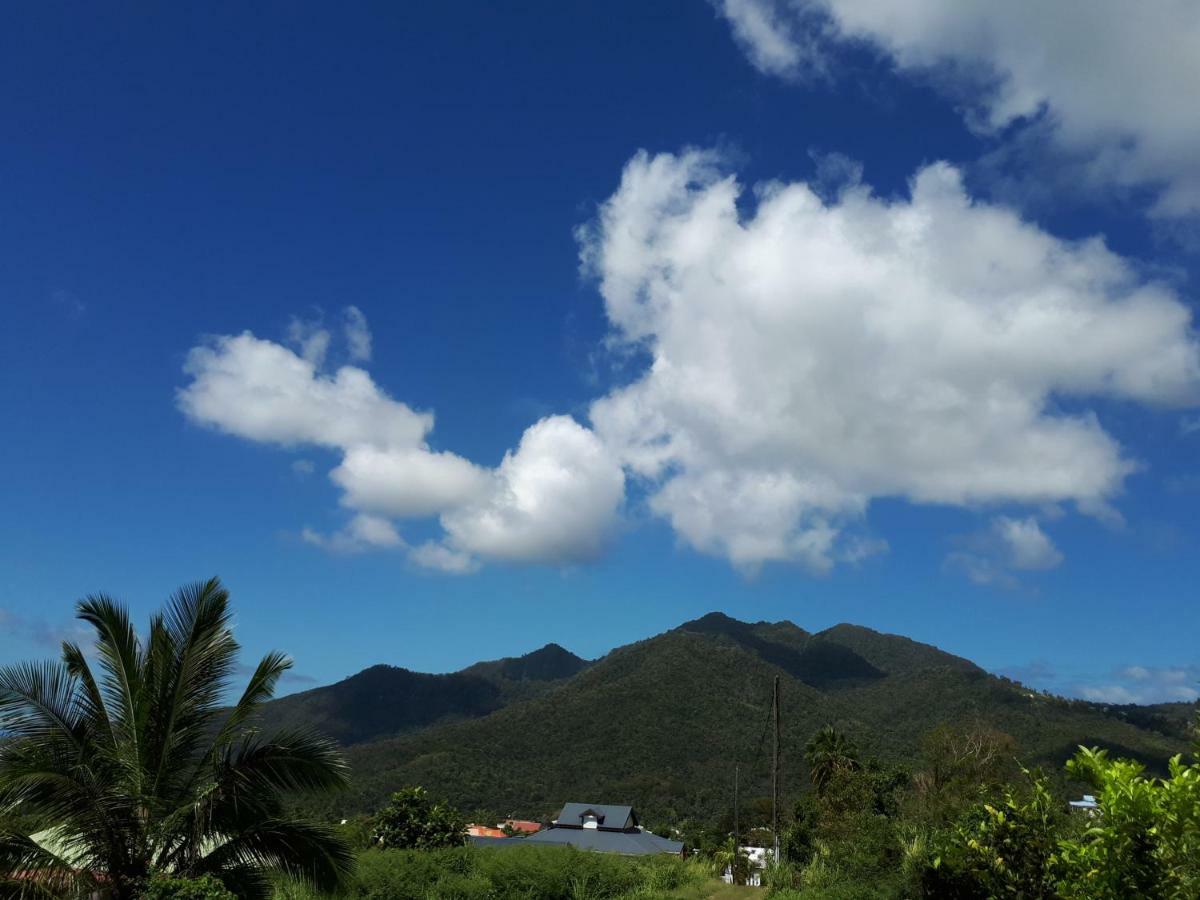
(715,623)
(548,663)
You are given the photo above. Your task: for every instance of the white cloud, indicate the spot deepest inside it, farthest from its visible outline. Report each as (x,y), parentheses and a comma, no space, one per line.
(1145,684)
(770,35)
(406,482)
(358,335)
(808,357)
(441,558)
(555,498)
(310,339)
(1008,545)
(265,392)
(363,532)
(303,467)
(1029,549)
(1102,79)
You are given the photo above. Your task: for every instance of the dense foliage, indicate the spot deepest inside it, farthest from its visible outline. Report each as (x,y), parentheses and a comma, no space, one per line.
(870,833)
(384,701)
(206,887)
(128,765)
(517,873)
(411,821)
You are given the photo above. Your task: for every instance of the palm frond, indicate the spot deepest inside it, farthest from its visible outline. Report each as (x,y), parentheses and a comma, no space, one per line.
(38,699)
(121,656)
(258,691)
(193,653)
(28,869)
(90,700)
(288,761)
(304,850)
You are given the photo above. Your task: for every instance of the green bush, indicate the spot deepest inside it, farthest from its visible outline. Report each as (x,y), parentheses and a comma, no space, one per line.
(512,873)
(411,821)
(206,887)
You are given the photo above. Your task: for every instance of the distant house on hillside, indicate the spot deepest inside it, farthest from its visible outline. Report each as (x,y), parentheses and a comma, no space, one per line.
(596,826)
(522,826)
(1087,805)
(485,831)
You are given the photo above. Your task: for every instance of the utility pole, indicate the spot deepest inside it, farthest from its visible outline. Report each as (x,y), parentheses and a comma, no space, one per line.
(733,865)
(775,771)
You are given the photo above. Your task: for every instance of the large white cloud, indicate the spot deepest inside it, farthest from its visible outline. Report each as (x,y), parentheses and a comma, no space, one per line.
(406,481)
(1108,78)
(554,499)
(809,357)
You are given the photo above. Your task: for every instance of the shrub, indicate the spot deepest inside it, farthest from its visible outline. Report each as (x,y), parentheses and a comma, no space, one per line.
(515,873)
(411,821)
(205,887)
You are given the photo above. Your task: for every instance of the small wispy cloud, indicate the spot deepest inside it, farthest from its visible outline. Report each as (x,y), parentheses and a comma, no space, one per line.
(47,634)
(1144,684)
(302,468)
(1007,546)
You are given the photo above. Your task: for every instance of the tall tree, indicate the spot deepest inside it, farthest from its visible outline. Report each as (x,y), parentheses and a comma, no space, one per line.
(829,753)
(128,763)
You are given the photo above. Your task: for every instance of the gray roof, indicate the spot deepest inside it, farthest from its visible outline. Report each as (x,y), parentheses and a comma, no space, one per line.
(607,816)
(482,840)
(627,843)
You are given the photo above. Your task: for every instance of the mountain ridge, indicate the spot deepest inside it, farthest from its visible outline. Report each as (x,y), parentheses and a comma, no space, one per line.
(660,722)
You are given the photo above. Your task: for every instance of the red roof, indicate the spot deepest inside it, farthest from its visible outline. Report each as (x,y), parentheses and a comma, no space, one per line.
(523,825)
(484,831)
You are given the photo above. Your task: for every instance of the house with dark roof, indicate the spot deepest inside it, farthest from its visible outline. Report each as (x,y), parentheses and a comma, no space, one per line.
(596,826)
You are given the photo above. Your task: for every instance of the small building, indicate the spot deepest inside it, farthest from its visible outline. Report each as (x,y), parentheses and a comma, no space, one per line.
(595,826)
(1087,805)
(522,826)
(485,831)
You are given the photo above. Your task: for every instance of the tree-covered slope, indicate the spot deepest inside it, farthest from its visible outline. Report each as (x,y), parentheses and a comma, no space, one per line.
(662,723)
(384,701)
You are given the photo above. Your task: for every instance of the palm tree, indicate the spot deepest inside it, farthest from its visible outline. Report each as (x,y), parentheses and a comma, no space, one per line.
(828,754)
(139,767)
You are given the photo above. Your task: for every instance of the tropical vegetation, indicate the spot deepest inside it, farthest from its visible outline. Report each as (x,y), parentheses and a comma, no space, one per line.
(130,769)
(124,763)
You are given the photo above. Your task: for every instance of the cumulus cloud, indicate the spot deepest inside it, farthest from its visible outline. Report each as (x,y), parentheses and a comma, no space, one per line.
(808,353)
(266,392)
(809,356)
(407,481)
(1101,81)
(554,499)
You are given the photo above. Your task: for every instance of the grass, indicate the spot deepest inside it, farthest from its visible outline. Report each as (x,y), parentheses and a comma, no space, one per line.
(521,873)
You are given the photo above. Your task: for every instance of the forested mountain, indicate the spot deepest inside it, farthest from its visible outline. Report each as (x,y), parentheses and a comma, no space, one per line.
(385,701)
(662,722)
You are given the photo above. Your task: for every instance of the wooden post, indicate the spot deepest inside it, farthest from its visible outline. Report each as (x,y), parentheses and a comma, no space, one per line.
(775,771)
(733,864)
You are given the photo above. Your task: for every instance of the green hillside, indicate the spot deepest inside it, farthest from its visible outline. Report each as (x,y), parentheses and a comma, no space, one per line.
(384,701)
(662,722)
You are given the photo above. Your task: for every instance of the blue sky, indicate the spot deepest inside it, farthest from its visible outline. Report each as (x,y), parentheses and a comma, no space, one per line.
(443,331)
